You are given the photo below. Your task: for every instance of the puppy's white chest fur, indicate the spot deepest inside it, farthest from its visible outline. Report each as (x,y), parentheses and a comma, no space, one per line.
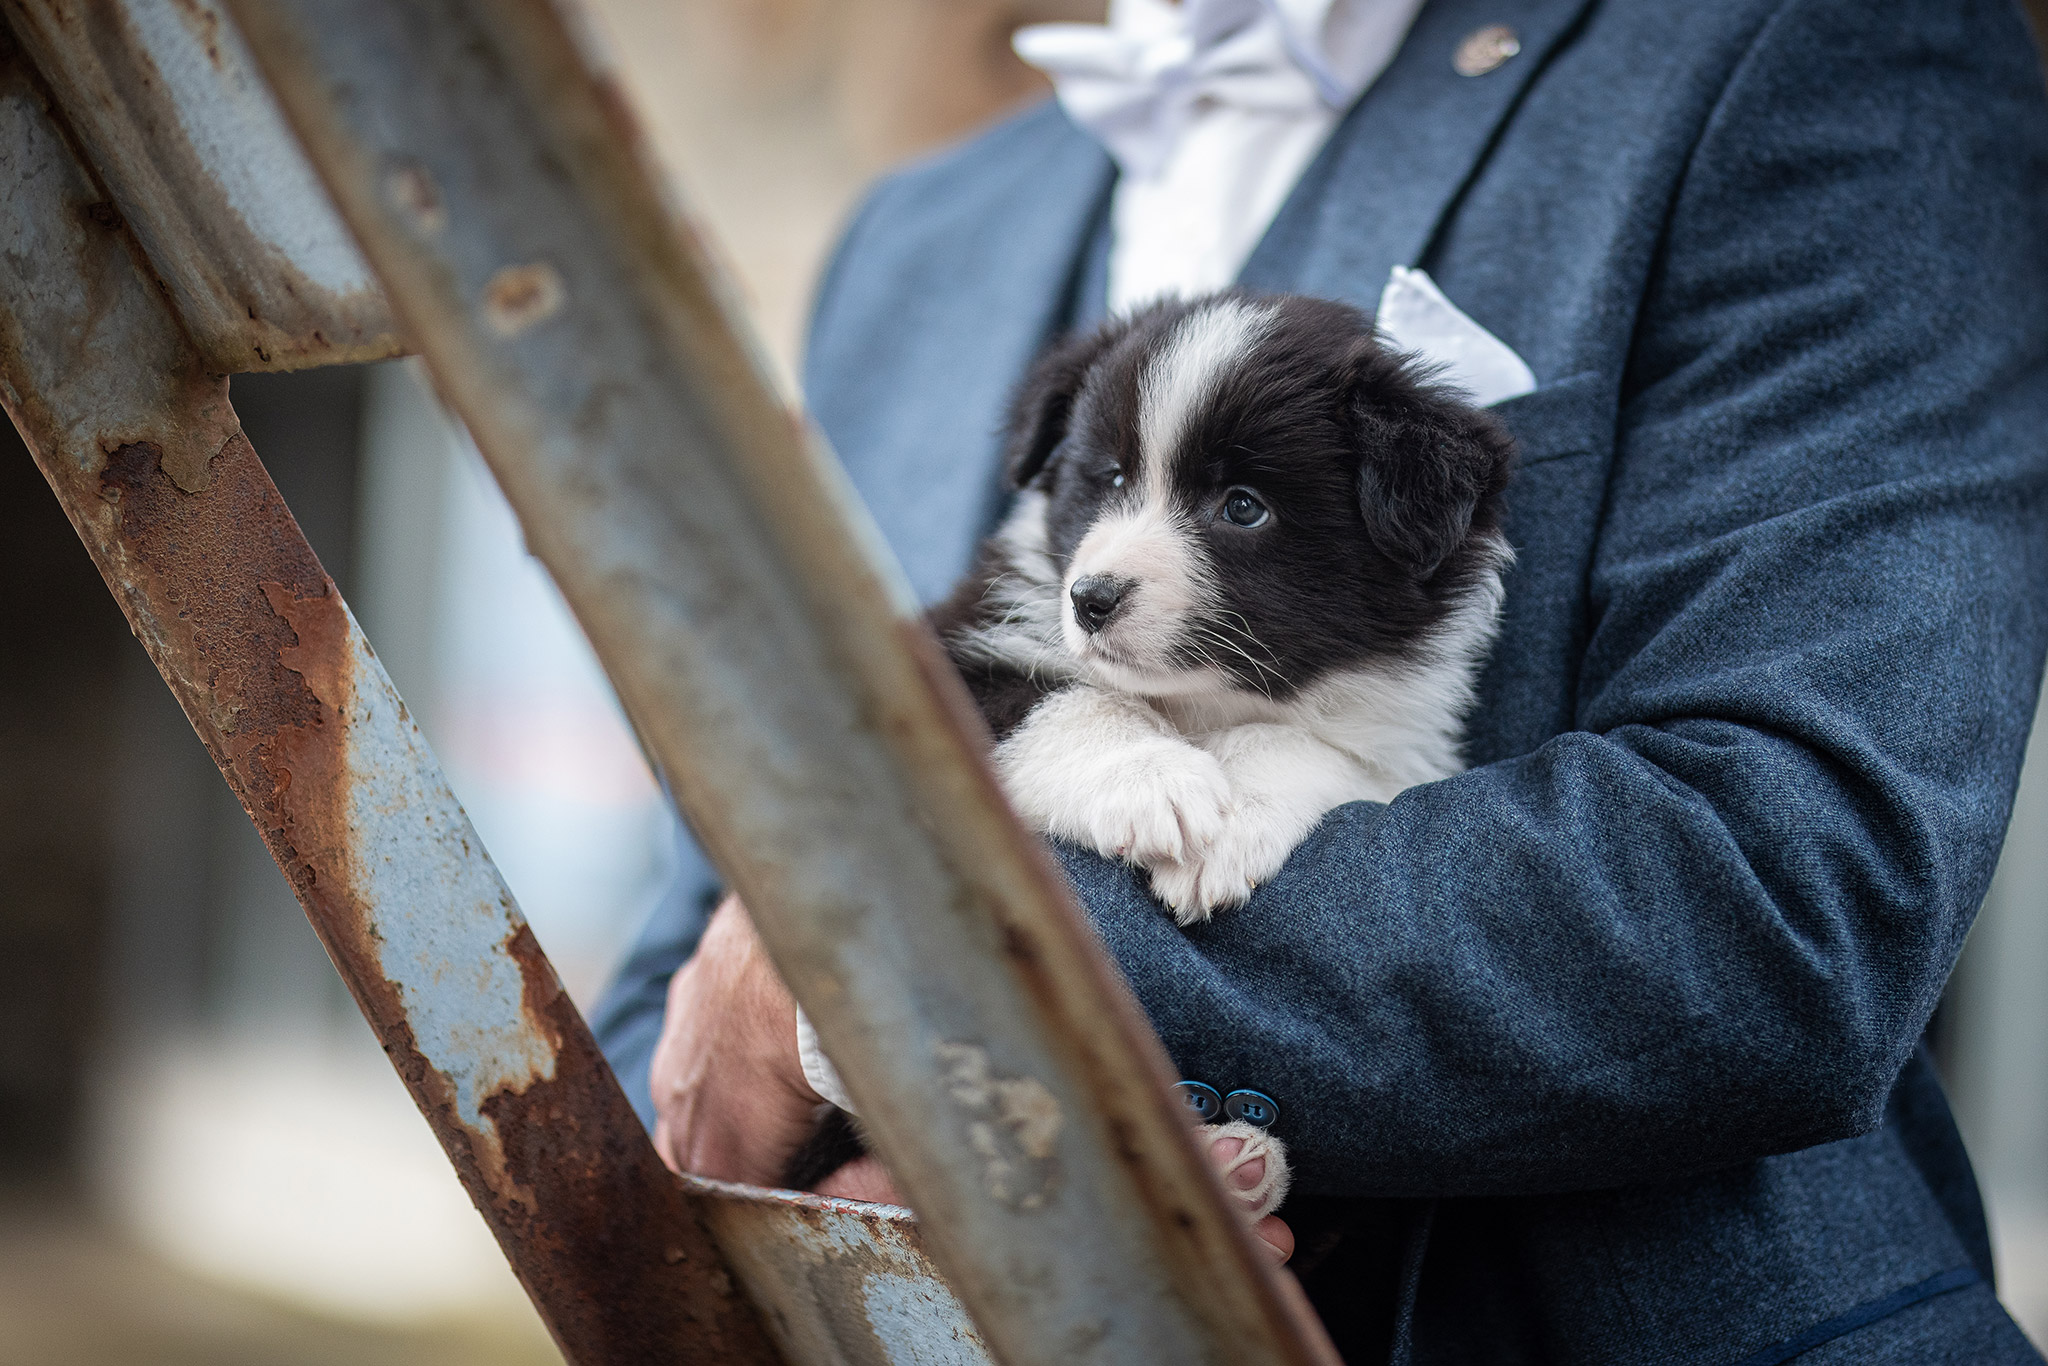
(1209,794)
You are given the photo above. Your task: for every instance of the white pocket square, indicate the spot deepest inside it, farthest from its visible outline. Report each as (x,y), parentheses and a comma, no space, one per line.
(1415,316)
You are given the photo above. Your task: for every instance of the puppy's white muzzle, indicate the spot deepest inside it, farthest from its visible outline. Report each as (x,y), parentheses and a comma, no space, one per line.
(1160,579)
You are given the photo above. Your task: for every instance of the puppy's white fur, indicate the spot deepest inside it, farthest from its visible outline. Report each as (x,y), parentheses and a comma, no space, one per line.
(1105,769)
(1120,769)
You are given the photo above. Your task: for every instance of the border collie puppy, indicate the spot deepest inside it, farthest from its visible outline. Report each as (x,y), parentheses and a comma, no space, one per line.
(1252,569)
(1253,566)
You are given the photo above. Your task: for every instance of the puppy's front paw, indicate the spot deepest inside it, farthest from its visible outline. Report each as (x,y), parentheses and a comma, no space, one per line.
(1163,801)
(1252,846)
(1106,771)
(1252,1163)
(1178,885)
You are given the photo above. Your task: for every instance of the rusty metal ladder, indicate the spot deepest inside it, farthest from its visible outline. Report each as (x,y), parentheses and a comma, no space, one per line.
(177,177)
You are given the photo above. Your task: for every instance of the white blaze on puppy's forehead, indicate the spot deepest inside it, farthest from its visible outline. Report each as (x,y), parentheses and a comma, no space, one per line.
(1145,543)
(1200,349)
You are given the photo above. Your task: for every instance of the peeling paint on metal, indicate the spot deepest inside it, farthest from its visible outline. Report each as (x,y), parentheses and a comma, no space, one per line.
(226,114)
(519,298)
(448,925)
(1012,1124)
(191,146)
(839,1282)
(914,1327)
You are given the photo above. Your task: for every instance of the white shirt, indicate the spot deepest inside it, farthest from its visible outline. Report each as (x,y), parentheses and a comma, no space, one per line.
(1212,110)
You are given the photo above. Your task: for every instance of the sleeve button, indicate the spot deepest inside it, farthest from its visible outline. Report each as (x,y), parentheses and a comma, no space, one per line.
(1203,1100)
(1252,1107)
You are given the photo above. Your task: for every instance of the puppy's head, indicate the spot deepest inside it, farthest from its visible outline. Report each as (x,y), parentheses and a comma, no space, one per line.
(1251,493)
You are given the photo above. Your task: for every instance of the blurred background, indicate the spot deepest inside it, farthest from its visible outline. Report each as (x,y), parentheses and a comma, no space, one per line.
(204,1157)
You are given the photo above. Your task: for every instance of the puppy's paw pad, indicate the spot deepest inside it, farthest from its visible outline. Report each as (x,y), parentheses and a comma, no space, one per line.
(1253,1165)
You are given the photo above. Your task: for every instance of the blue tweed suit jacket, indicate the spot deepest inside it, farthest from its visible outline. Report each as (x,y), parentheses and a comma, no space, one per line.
(1608,1050)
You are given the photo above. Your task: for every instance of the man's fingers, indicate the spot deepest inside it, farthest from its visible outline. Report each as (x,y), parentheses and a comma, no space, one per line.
(862,1179)
(664,1146)
(727,1084)
(1275,1237)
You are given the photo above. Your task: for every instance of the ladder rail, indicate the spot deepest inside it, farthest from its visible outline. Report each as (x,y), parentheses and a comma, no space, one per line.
(93,363)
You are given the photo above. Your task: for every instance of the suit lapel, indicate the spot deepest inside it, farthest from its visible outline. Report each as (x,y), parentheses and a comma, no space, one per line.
(963,288)
(1394,169)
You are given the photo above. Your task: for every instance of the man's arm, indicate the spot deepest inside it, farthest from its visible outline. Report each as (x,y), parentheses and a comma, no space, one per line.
(628,1019)
(1710,923)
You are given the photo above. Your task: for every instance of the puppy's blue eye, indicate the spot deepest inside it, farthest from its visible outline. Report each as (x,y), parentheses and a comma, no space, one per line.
(1242,507)
(1116,477)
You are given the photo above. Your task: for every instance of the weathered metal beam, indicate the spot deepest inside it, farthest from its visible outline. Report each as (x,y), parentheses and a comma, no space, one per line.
(763,644)
(137,438)
(187,141)
(840,1282)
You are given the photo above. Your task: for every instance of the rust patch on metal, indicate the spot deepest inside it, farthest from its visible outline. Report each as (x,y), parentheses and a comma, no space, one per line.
(205,26)
(194,566)
(255,640)
(599,1188)
(413,191)
(323,632)
(520,298)
(186,445)
(306,763)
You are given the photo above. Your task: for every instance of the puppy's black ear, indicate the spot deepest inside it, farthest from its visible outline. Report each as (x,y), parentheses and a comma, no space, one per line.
(1045,400)
(1431,464)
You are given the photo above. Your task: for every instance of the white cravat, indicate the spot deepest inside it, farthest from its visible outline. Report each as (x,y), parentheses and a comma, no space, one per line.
(1212,109)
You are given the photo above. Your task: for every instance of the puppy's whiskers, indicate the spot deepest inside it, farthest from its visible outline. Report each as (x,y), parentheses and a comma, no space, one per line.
(1219,632)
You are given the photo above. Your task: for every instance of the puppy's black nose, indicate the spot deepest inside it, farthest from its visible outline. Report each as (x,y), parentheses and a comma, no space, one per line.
(1095,600)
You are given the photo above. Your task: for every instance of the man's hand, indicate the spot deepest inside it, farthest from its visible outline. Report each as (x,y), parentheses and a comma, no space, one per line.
(730,1097)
